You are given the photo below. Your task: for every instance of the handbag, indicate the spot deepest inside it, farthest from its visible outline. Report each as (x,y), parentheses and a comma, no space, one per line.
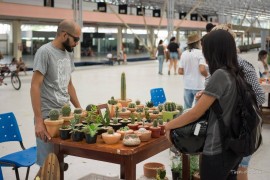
(190,138)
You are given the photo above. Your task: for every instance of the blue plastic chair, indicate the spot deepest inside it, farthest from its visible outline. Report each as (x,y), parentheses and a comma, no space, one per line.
(157,96)
(9,131)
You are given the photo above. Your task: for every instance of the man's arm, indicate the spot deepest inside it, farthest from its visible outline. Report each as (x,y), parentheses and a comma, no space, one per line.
(203,70)
(181,71)
(73,96)
(40,129)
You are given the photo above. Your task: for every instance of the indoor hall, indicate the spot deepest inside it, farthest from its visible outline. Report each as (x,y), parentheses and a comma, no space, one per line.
(96,84)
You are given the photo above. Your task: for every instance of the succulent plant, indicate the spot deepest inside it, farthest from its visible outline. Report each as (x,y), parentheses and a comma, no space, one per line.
(66,110)
(123,86)
(132,116)
(139,110)
(112,101)
(138,102)
(77,117)
(170,106)
(126,128)
(149,104)
(54,114)
(160,121)
(89,107)
(180,108)
(160,107)
(77,111)
(161,174)
(131,105)
(124,109)
(139,119)
(110,131)
(115,121)
(147,115)
(155,123)
(106,120)
(116,111)
(155,112)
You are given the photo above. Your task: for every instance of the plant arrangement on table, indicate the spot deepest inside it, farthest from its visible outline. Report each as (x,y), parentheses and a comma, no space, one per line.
(53,123)
(155,129)
(124,130)
(76,129)
(66,114)
(124,101)
(111,137)
(64,132)
(90,131)
(169,111)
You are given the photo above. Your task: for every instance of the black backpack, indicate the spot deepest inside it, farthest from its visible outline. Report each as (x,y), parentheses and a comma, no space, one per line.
(243,136)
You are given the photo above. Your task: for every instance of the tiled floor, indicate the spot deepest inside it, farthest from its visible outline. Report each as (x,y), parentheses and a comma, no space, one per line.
(96,84)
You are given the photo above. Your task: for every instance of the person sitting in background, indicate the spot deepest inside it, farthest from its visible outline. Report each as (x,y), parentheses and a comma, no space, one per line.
(262,65)
(21,66)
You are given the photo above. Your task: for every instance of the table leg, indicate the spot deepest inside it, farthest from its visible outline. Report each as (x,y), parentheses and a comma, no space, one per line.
(186,167)
(128,169)
(60,158)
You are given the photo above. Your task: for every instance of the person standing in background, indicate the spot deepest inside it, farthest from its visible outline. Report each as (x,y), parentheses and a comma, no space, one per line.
(262,64)
(193,67)
(124,53)
(51,85)
(161,53)
(175,54)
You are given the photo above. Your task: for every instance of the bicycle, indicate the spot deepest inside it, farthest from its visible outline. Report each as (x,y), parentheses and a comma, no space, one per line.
(11,70)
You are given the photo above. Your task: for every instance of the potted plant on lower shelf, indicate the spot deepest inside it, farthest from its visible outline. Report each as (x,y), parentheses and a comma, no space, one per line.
(90,131)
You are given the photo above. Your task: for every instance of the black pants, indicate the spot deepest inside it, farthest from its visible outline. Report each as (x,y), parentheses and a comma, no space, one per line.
(219,167)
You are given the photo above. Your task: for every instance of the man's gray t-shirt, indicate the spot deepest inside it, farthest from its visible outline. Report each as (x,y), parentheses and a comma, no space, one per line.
(223,87)
(56,66)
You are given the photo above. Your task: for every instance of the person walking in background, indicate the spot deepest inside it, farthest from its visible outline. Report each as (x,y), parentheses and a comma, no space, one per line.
(161,53)
(51,85)
(21,66)
(193,67)
(123,49)
(175,54)
(262,64)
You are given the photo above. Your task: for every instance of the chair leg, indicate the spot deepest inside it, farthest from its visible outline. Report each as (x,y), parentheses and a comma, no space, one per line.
(17,173)
(27,173)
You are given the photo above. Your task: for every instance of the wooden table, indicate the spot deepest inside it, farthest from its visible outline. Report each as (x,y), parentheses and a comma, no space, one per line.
(126,157)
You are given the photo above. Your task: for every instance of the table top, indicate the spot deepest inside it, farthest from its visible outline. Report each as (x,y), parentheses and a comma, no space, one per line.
(118,148)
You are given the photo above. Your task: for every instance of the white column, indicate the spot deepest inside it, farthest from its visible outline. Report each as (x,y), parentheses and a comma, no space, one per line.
(119,39)
(17,39)
(264,34)
(77,14)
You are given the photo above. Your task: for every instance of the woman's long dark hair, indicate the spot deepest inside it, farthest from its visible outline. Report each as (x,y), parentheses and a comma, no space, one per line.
(219,50)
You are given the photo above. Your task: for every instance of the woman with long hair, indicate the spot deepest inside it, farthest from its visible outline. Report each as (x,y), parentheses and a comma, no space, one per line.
(161,53)
(175,54)
(219,50)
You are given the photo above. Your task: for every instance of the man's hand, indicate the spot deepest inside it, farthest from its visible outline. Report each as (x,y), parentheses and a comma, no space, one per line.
(198,95)
(41,131)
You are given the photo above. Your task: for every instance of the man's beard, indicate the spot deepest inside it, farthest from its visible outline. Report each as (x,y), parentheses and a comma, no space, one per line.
(67,46)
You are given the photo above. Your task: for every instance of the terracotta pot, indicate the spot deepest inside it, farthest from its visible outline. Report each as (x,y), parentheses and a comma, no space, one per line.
(144,136)
(134,127)
(140,106)
(53,126)
(125,114)
(123,133)
(131,109)
(124,102)
(67,119)
(162,129)
(144,126)
(111,138)
(150,169)
(154,116)
(137,114)
(155,132)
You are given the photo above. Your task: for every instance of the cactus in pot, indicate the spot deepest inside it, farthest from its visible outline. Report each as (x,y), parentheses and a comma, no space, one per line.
(66,110)
(169,111)
(124,101)
(155,129)
(53,123)
(54,114)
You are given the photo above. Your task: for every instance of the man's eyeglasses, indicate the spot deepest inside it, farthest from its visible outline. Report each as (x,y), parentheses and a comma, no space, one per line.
(76,39)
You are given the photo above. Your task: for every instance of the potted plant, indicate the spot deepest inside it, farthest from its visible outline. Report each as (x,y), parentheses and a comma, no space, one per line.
(144,125)
(132,125)
(139,111)
(64,132)
(131,140)
(105,121)
(115,124)
(144,134)
(124,122)
(155,129)
(112,104)
(150,105)
(131,107)
(155,114)
(162,126)
(76,130)
(124,130)
(66,114)
(124,113)
(53,123)
(90,131)
(169,111)
(138,104)
(161,174)
(91,114)
(176,167)
(111,137)
(124,101)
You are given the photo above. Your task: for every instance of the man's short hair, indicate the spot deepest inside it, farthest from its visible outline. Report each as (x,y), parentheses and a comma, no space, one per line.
(209,27)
